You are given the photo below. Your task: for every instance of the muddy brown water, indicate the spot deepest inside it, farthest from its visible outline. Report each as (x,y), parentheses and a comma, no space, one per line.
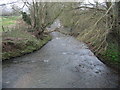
(63,62)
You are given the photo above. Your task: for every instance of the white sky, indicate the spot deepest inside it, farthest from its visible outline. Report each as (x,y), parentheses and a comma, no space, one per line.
(8,7)
(8,1)
(20,3)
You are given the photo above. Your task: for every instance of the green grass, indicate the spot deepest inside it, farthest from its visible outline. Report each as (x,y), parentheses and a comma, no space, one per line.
(26,48)
(18,34)
(28,43)
(17,41)
(6,21)
(20,41)
(112,54)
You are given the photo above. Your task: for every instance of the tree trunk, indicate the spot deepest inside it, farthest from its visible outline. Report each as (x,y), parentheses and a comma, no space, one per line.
(116,26)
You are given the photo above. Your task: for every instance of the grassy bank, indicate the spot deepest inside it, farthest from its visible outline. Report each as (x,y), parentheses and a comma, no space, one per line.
(16,43)
(8,21)
(16,40)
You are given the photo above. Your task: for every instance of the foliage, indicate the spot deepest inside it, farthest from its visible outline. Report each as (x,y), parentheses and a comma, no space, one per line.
(112,53)
(26,18)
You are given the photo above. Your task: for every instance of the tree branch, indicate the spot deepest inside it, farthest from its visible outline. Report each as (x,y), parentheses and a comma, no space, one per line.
(8,3)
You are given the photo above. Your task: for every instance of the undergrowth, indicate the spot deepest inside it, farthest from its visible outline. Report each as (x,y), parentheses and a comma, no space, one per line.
(112,53)
(19,41)
(91,27)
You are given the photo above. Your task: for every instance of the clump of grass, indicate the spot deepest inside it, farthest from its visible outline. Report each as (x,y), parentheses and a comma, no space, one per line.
(113,56)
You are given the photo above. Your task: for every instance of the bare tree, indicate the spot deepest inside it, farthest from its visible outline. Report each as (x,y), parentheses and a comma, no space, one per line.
(43,14)
(15,10)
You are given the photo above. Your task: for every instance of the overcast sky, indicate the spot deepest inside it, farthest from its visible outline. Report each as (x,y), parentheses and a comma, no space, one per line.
(8,1)
(8,6)
(20,2)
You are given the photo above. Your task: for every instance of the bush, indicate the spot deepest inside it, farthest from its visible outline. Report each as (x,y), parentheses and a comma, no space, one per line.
(26,18)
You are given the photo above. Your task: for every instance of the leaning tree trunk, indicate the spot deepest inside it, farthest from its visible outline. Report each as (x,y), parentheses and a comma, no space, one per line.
(114,19)
(116,26)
